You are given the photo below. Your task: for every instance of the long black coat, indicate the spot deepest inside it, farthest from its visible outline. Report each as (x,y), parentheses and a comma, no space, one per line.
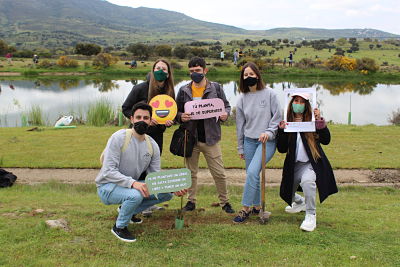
(325,179)
(140,93)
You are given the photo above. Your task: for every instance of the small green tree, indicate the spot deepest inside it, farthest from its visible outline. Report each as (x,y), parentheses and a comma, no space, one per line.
(3,47)
(139,50)
(181,51)
(163,50)
(87,49)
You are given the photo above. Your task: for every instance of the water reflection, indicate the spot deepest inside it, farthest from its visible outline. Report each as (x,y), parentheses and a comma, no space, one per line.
(369,102)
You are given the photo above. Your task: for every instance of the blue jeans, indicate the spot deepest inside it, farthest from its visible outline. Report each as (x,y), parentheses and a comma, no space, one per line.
(131,200)
(253,157)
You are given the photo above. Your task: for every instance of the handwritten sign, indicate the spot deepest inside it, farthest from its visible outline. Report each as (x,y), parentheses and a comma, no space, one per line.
(205,108)
(306,126)
(169,181)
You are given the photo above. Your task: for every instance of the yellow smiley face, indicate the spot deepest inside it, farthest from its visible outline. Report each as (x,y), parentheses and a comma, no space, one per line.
(164,108)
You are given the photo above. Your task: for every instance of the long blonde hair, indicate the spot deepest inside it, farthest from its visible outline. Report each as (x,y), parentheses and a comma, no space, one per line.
(168,83)
(310,137)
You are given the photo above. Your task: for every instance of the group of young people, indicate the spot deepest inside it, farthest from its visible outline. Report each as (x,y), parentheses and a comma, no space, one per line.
(131,154)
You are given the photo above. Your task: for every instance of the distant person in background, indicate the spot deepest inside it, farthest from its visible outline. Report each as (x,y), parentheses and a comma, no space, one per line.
(159,81)
(133,64)
(222,55)
(291,59)
(235,57)
(9,58)
(35,59)
(284,61)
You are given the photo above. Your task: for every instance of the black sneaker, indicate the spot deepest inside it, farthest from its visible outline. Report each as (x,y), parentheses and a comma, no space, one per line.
(134,219)
(228,208)
(255,211)
(243,216)
(123,234)
(190,206)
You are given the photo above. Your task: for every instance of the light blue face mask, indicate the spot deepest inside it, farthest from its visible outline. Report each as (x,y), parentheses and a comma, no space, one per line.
(298,108)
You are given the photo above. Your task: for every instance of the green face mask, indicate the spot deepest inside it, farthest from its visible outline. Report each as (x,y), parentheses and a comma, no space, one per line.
(160,75)
(298,108)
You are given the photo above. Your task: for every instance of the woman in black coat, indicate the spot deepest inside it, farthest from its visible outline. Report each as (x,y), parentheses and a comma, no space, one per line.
(159,81)
(306,164)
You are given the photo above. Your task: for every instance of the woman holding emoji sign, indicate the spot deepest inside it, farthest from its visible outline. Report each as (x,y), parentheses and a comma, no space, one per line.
(159,82)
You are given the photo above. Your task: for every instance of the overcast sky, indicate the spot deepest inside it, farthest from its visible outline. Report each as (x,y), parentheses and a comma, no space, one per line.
(266,14)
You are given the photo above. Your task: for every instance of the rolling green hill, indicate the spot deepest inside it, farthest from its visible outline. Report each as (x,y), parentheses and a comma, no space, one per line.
(60,23)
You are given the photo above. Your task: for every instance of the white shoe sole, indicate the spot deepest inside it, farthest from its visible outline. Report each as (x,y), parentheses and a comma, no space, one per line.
(307,229)
(122,239)
(289,209)
(130,222)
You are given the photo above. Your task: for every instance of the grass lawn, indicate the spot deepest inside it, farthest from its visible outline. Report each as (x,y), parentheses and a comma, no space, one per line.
(356,227)
(365,147)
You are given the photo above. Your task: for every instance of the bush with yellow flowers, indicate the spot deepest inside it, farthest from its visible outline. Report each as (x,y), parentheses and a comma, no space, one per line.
(341,63)
(67,62)
(104,60)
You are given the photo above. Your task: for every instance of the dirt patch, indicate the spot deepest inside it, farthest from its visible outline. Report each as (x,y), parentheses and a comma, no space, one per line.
(10,74)
(63,74)
(381,177)
(385,176)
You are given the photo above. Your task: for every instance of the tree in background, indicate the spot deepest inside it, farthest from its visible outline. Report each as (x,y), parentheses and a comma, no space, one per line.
(3,48)
(163,50)
(181,51)
(87,49)
(139,50)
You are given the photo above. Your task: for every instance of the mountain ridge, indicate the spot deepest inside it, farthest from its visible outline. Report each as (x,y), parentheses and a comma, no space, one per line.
(59,23)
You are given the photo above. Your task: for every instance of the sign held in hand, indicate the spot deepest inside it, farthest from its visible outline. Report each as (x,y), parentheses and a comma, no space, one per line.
(205,108)
(168,181)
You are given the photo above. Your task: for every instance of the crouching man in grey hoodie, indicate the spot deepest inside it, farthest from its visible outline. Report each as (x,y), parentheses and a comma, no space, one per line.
(129,152)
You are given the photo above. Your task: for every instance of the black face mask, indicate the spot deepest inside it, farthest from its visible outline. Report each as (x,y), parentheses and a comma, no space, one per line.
(250,81)
(197,77)
(140,127)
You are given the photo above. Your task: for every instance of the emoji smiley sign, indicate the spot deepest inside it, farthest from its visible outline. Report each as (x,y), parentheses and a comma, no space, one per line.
(164,108)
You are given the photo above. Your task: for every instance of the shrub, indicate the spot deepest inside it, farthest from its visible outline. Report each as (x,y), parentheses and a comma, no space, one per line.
(305,63)
(163,50)
(87,49)
(67,62)
(341,63)
(45,64)
(181,51)
(395,118)
(104,60)
(261,64)
(368,64)
(175,65)
(220,64)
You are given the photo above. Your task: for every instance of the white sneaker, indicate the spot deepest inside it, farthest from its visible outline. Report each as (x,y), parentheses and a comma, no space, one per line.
(296,208)
(309,223)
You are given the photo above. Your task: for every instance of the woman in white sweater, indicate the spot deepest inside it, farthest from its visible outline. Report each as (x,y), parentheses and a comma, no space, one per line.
(258,114)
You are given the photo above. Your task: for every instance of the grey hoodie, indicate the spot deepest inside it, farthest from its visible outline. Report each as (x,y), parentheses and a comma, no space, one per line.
(257,113)
(123,168)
